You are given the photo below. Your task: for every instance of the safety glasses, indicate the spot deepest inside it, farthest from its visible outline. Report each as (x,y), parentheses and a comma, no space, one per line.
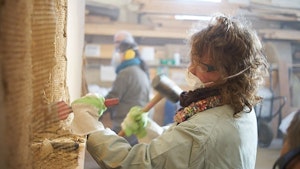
(207,68)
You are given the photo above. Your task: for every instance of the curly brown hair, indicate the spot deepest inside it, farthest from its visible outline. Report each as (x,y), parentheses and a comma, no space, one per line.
(233,47)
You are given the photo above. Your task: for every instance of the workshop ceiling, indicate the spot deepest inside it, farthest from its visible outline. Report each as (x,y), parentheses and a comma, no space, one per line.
(278,19)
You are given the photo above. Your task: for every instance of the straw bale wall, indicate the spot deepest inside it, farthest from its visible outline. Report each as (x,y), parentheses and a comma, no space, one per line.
(33,75)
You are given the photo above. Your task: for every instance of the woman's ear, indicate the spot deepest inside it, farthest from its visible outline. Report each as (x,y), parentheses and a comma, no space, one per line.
(129,54)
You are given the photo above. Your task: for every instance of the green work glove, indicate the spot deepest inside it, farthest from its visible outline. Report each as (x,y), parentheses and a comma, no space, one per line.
(92,101)
(135,122)
(87,111)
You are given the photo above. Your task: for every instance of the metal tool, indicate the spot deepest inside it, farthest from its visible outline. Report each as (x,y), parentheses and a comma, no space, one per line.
(165,88)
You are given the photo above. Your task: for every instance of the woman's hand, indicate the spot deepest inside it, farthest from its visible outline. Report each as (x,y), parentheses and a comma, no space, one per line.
(135,122)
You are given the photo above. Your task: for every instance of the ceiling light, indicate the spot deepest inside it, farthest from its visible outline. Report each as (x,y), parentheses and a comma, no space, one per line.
(217,1)
(192,17)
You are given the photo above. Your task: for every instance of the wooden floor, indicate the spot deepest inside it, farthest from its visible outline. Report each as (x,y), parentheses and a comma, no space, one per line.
(89,162)
(265,157)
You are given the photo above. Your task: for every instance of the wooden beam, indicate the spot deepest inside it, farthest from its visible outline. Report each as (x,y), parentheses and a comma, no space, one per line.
(268,5)
(275,17)
(136,30)
(169,22)
(274,13)
(279,34)
(148,31)
(187,7)
(97,19)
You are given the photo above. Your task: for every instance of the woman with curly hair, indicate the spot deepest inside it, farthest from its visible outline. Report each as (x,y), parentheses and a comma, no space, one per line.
(216,125)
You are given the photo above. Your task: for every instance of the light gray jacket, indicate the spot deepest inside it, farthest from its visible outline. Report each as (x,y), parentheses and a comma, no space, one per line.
(132,87)
(212,139)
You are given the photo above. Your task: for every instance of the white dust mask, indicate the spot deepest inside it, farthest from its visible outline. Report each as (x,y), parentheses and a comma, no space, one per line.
(116,59)
(193,81)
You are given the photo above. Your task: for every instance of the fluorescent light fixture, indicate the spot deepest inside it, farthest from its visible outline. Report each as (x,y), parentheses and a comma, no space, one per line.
(192,17)
(216,1)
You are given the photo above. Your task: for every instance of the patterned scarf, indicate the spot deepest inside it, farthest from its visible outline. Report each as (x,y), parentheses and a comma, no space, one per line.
(196,107)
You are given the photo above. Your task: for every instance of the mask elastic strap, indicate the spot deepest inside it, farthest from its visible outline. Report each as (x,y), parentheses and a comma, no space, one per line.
(241,72)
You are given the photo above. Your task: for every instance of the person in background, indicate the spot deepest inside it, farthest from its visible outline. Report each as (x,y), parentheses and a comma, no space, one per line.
(216,125)
(290,151)
(132,85)
(120,36)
